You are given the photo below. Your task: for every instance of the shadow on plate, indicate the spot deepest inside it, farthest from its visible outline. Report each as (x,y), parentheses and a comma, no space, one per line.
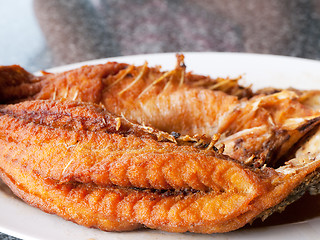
(306,208)
(7,191)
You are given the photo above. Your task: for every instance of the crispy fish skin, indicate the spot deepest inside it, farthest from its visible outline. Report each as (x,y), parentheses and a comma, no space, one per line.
(253,131)
(74,203)
(176,101)
(86,83)
(82,84)
(119,209)
(71,141)
(16,83)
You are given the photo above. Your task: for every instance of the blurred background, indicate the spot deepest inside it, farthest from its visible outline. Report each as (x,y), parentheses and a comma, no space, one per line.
(40,34)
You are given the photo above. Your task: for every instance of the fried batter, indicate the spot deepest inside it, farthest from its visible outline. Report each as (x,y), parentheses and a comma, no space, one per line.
(70,141)
(80,84)
(119,209)
(16,83)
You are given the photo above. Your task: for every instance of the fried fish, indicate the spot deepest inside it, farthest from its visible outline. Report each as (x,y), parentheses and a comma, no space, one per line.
(255,129)
(191,189)
(121,147)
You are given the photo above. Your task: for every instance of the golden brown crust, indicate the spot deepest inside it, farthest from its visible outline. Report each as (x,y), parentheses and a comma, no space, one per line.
(16,83)
(114,209)
(253,130)
(69,141)
(82,84)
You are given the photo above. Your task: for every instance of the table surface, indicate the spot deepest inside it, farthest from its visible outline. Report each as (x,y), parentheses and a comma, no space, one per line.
(43,34)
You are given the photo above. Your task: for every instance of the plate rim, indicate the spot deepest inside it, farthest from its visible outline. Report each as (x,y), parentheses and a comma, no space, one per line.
(170,54)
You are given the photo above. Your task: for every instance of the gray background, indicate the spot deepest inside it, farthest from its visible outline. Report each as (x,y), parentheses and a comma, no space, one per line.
(41,34)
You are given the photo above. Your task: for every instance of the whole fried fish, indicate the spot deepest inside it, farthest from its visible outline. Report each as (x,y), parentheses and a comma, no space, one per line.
(121,147)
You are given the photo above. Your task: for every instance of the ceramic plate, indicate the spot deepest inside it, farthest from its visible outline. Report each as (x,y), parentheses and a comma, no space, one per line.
(23,221)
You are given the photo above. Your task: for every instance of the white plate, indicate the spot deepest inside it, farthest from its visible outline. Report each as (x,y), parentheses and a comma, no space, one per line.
(23,221)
